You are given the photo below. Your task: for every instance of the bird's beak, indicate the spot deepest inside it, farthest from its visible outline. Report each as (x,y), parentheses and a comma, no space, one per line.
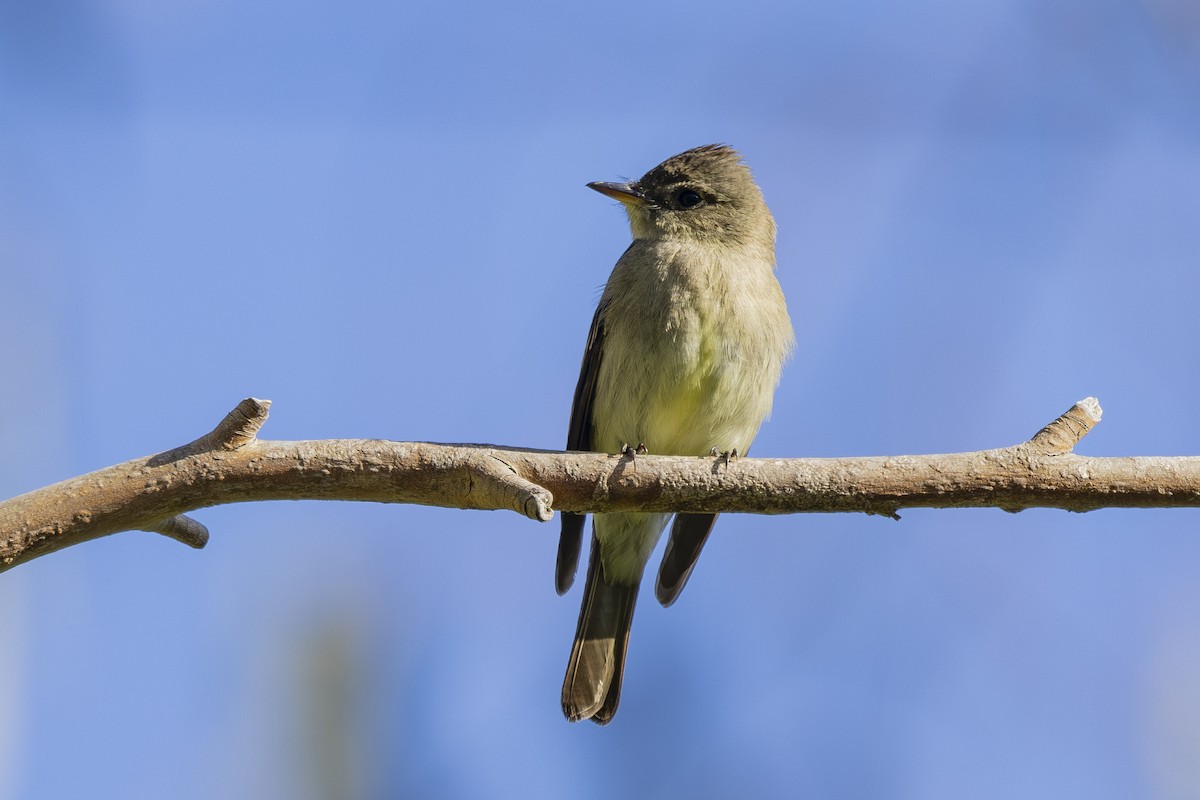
(625,192)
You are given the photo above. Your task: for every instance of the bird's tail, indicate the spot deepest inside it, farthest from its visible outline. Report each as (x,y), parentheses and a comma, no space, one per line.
(592,687)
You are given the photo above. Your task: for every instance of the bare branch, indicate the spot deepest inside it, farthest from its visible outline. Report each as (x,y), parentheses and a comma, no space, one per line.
(231,465)
(181,528)
(238,429)
(1061,435)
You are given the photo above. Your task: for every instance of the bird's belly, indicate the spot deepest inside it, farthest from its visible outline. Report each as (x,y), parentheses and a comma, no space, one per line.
(685,401)
(680,406)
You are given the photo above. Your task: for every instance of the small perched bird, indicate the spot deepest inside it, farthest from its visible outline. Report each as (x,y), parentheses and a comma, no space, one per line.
(683,357)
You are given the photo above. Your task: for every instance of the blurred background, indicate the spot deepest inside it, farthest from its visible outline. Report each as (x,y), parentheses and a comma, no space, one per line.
(373,213)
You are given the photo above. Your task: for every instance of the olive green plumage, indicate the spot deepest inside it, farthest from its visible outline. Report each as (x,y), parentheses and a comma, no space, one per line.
(684,354)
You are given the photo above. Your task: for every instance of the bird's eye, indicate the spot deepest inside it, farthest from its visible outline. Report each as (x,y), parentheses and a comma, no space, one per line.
(686,198)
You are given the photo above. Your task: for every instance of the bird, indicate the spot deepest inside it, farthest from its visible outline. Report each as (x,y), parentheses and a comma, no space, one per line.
(683,356)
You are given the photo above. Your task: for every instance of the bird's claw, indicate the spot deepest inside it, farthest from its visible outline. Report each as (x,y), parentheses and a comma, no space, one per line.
(726,456)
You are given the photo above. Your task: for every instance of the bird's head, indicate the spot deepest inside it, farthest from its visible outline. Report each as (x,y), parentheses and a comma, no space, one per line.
(705,194)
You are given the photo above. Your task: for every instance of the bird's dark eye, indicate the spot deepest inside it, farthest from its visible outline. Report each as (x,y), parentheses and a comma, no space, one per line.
(686,198)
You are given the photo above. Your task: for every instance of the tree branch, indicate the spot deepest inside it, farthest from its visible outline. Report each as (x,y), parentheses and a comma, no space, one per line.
(231,465)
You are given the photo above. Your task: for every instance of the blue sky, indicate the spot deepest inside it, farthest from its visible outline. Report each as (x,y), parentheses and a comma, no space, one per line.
(374,214)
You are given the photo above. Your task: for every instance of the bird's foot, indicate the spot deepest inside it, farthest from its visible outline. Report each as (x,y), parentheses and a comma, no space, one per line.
(726,457)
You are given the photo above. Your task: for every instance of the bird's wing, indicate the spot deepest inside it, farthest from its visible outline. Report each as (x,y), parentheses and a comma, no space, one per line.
(688,535)
(579,437)
(689,532)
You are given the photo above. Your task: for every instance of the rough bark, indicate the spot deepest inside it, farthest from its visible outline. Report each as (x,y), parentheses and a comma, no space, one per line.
(231,465)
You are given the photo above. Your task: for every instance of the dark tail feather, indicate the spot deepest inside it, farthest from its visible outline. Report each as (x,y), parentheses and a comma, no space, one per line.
(592,687)
(688,535)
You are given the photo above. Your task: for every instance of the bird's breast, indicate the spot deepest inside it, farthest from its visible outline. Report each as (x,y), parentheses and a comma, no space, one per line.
(694,343)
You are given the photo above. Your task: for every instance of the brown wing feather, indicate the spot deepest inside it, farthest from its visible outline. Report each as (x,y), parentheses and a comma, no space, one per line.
(689,532)
(579,437)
